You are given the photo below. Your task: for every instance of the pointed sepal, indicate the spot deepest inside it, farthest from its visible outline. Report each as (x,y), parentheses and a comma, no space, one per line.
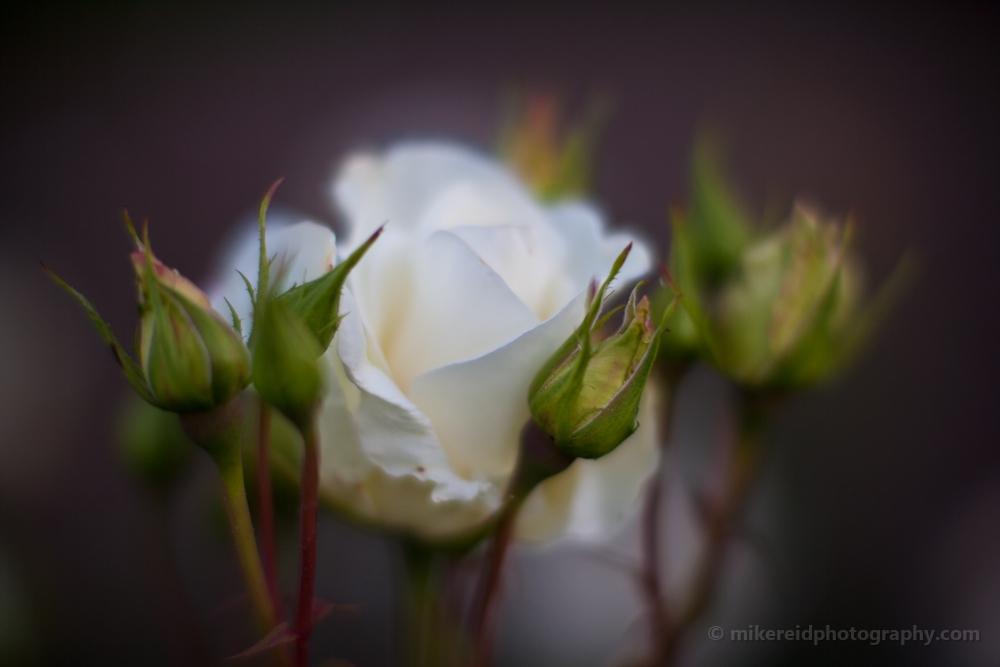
(132,371)
(317,302)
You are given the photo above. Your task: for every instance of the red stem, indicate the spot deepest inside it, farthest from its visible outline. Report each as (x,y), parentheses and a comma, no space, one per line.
(267,542)
(652,585)
(743,467)
(309,510)
(489,595)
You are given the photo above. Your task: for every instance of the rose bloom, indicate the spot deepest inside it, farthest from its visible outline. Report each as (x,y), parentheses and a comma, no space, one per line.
(468,291)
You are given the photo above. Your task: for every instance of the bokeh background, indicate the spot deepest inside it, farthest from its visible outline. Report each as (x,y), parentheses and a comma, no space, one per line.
(881,504)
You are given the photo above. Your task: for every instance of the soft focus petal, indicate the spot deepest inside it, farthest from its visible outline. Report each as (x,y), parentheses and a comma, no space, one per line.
(478,407)
(590,499)
(303,251)
(471,203)
(530,260)
(382,286)
(590,250)
(460,308)
(401,185)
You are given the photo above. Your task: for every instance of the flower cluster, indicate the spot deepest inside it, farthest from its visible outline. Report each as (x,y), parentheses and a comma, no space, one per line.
(446,368)
(411,365)
(773,309)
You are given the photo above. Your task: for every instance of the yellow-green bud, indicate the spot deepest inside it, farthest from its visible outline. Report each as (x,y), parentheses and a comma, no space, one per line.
(193,360)
(772,310)
(554,158)
(190,359)
(586,397)
(781,321)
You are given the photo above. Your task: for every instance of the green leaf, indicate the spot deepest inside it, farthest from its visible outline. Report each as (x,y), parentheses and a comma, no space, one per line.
(581,337)
(871,319)
(249,286)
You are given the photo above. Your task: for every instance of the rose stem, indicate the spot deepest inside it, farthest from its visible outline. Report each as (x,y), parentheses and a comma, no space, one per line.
(743,467)
(246,547)
(265,497)
(219,431)
(489,595)
(539,460)
(234,493)
(308,517)
(652,586)
(420,603)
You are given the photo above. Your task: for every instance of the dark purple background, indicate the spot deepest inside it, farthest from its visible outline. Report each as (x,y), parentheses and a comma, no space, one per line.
(891,476)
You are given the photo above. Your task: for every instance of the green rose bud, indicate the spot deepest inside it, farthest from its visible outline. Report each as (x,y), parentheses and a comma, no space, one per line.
(190,358)
(787,282)
(586,397)
(777,310)
(286,370)
(554,158)
(708,241)
(292,330)
(792,314)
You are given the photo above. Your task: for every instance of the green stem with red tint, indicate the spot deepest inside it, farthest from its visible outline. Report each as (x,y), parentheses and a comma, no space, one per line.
(266,513)
(308,513)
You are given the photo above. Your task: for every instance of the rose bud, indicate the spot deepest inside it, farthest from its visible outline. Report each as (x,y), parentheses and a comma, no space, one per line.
(708,241)
(586,397)
(553,157)
(293,329)
(785,321)
(190,358)
(286,372)
(772,310)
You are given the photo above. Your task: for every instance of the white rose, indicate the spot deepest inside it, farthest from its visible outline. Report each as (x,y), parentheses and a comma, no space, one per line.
(471,287)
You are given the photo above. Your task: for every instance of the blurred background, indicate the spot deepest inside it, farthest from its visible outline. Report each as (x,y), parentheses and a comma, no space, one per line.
(881,503)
